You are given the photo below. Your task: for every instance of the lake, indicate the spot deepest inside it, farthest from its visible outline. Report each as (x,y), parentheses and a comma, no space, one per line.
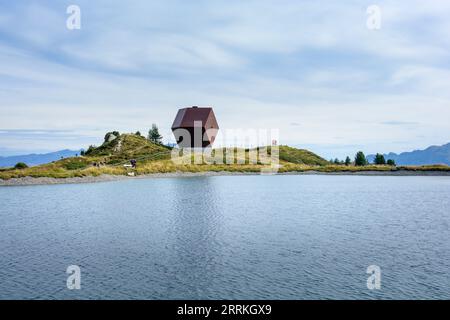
(228,237)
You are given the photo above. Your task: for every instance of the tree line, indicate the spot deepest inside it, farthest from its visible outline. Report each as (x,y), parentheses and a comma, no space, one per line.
(361,160)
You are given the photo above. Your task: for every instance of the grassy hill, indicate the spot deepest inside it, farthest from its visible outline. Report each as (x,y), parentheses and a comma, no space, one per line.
(301,156)
(129,146)
(154,158)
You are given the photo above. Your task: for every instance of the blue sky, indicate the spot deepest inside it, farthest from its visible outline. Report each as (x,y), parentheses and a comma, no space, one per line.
(312,69)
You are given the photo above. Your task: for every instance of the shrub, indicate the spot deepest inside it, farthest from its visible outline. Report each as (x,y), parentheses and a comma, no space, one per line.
(90,150)
(20,165)
(391,162)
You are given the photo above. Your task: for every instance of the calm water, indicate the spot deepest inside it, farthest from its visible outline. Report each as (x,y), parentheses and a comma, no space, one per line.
(239,237)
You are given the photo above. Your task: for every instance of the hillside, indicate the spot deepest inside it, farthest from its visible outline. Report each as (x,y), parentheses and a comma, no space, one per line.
(431,155)
(129,146)
(301,156)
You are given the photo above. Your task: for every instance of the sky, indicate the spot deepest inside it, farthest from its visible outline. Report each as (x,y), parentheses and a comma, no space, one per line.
(314,70)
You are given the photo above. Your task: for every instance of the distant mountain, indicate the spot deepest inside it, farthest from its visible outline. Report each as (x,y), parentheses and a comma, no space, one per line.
(37,159)
(431,155)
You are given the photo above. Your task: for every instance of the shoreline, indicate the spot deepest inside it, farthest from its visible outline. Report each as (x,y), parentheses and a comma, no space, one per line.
(30,181)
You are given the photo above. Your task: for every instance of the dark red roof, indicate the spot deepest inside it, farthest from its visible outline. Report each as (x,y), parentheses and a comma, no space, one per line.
(185,117)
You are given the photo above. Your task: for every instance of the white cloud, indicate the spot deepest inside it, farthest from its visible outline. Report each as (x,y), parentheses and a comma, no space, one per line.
(259,63)
(424,79)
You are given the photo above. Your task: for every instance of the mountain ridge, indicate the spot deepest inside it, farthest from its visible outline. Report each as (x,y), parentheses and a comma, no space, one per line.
(428,156)
(35,159)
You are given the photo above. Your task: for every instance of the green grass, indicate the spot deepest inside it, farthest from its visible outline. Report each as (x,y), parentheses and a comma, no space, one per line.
(301,156)
(75,163)
(58,170)
(129,146)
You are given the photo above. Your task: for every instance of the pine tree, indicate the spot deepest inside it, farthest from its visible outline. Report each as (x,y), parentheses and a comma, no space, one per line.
(379,159)
(360,159)
(153,135)
(348,161)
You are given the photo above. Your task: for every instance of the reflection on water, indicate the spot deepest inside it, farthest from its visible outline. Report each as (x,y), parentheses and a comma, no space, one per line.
(196,221)
(239,237)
